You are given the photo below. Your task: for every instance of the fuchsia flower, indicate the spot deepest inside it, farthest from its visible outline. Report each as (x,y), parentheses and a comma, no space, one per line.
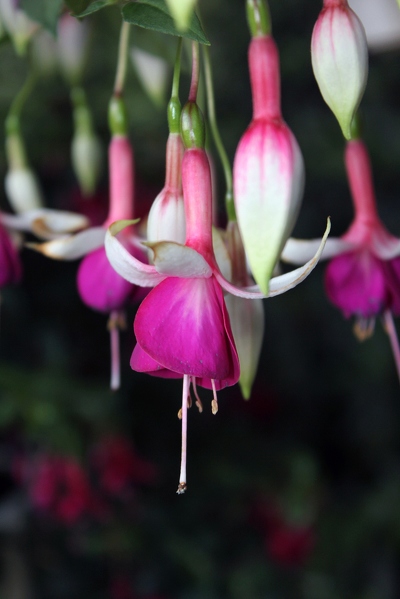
(182,327)
(99,286)
(363,278)
(268,170)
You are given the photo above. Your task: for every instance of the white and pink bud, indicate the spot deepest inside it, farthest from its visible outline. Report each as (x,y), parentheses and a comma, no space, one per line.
(339,55)
(21,184)
(18,25)
(166,221)
(246,316)
(72,45)
(268,170)
(153,73)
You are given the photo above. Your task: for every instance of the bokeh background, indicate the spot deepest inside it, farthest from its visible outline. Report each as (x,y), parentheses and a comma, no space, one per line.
(293,494)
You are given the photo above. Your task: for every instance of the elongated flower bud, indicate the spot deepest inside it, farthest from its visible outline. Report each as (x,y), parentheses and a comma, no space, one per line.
(268,171)
(166,221)
(21,184)
(181,10)
(72,43)
(340,60)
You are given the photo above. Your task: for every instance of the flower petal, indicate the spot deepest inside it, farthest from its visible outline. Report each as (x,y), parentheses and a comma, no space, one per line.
(175,260)
(126,265)
(141,362)
(184,326)
(45,223)
(298,251)
(279,284)
(73,246)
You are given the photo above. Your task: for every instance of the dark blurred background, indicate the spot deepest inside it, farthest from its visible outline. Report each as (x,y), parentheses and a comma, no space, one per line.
(293,494)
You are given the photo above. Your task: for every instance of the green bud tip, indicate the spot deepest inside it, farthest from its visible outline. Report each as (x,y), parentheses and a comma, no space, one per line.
(117,116)
(356,127)
(258,17)
(174,115)
(192,126)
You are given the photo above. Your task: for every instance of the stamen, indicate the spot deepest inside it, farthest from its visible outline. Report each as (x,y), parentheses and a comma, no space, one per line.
(198,400)
(363,328)
(185,392)
(214,403)
(390,329)
(115,322)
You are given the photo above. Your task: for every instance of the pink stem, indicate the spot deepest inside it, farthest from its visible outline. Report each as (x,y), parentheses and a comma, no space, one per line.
(185,394)
(394,342)
(195,72)
(120,157)
(359,173)
(173,175)
(115,381)
(265,78)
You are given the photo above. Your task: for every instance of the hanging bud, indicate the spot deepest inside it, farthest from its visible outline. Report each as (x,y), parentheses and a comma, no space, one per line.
(340,60)
(72,43)
(21,185)
(18,25)
(246,316)
(86,150)
(153,74)
(268,170)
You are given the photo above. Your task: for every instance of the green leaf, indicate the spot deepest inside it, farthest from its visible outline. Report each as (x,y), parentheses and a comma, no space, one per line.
(94,7)
(45,12)
(77,6)
(154,14)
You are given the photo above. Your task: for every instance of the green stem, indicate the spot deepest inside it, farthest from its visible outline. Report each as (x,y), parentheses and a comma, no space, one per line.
(122,59)
(230,207)
(19,101)
(177,70)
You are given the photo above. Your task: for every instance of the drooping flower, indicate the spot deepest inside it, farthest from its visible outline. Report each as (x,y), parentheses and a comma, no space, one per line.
(182,327)
(339,55)
(268,170)
(363,277)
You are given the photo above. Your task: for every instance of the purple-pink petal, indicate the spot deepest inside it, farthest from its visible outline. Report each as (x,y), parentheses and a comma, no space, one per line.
(355,282)
(141,362)
(10,264)
(99,286)
(184,326)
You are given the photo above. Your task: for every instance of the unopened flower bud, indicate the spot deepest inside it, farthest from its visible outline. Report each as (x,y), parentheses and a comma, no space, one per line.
(340,60)
(166,221)
(181,10)
(86,150)
(21,185)
(18,25)
(153,74)
(72,43)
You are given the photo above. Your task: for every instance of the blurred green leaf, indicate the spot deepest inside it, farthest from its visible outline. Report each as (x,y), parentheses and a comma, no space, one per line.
(45,12)
(77,6)
(154,14)
(94,7)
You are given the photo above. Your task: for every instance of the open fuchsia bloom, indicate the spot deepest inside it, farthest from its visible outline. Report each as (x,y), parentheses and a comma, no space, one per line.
(363,277)
(268,170)
(339,55)
(182,327)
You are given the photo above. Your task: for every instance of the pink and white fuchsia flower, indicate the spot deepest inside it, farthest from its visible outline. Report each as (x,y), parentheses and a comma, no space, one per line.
(363,277)
(182,327)
(268,170)
(99,286)
(339,55)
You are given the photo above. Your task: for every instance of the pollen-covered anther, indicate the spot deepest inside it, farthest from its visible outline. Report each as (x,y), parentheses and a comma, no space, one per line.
(181,488)
(117,320)
(363,328)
